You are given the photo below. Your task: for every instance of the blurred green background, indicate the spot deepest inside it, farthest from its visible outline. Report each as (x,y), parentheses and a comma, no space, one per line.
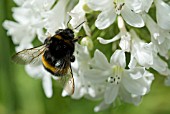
(21,94)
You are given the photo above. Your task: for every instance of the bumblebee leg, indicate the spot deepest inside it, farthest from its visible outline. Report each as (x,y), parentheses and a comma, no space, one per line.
(76,39)
(72,58)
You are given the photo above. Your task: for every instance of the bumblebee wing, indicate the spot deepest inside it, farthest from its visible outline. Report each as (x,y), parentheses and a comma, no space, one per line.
(29,56)
(67,79)
(69,83)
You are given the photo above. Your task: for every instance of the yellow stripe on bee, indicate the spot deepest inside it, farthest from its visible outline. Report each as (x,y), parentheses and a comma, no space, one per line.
(58,37)
(47,65)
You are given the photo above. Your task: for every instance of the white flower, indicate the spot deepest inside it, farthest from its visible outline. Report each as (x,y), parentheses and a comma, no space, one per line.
(125,96)
(78,16)
(87,41)
(123,35)
(163,14)
(145,55)
(83,87)
(110,8)
(160,37)
(55,18)
(118,80)
(94,77)
(23,46)
(125,40)
(29,23)
(141,51)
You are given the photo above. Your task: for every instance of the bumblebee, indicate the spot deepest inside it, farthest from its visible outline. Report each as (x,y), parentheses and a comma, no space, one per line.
(56,55)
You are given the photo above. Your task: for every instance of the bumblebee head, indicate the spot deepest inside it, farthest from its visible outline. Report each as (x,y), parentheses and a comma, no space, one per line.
(66,34)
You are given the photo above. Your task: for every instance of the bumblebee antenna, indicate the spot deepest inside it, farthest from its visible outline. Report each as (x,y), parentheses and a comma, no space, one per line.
(79,24)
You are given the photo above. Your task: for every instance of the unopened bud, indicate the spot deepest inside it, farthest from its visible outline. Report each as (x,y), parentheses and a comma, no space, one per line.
(86,8)
(86,41)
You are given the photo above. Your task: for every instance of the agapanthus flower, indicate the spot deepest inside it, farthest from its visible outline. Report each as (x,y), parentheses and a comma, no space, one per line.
(126,77)
(123,35)
(145,55)
(78,16)
(118,81)
(83,87)
(160,37)
(129,9)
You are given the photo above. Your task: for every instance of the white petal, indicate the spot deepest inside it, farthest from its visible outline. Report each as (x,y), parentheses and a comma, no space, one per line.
(118,58)
(101,106)
(132,62)
(105,19)
(154,29)
(40,6)
(132,18)
(127,97)
(78,88)
(59,11)
(162,48)
(148,77)
(100,60)
(139,5)
(163,19)
(136,72)
(81,52)
(23,46)
(98,4)
(22,15)
(91,92)
(134,86)
(20,33)
(19,2)
(125,42)
(111,93)
(144,54)
(97,76)
(41,35)
(77,19)
(47,86)
(135,5)
(146,4)
(159,65)
(103,41)
(64,93)
(37,71)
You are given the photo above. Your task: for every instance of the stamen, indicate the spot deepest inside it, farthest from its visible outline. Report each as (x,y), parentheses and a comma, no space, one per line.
(116,77)
(118,5)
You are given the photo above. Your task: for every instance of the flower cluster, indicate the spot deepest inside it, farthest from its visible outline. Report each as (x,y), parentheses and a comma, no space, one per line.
(126,74)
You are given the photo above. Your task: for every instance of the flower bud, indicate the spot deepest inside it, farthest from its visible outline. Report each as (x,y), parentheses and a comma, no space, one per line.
(86,8)
(86,41)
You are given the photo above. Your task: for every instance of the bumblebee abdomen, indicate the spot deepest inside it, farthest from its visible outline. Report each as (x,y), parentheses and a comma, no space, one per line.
(57,69)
